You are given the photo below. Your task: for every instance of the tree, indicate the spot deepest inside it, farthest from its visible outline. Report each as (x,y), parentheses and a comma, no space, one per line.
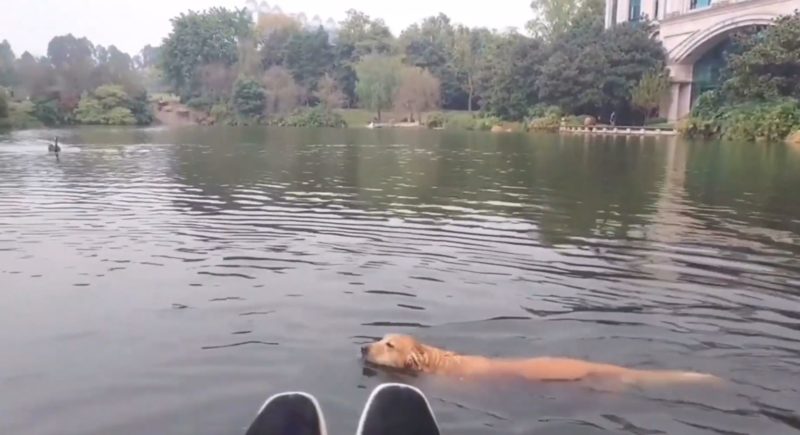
(151,56)
(8,75)
(649,91)
(377,81)
(73,60)
(358,36)
(431,45)
(328,93)
(592,71)
(364,36)
(507,89)
(468,49)
(248,98)
(217,81)
(553,17)
(282,94)
(309,55)
(767,63)
(418,91)
(202,38)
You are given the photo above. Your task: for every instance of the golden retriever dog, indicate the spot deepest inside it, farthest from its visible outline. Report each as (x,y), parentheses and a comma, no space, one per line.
(405,352)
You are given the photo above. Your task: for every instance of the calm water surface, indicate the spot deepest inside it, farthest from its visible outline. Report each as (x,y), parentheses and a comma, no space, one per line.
(166,282)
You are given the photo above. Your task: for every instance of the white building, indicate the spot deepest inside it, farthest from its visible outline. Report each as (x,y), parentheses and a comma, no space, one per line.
(695,34)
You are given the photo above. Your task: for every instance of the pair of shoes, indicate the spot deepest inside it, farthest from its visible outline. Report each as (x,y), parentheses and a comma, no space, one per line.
(392,409)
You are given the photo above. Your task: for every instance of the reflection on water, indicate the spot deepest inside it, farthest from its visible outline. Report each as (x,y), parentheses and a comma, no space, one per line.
(158,281)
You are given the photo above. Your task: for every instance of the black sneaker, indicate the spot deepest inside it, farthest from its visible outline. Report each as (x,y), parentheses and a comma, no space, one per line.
(289,414)
(397,409)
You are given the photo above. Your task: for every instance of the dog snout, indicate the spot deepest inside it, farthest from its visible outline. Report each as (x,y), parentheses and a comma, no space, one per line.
(364,350)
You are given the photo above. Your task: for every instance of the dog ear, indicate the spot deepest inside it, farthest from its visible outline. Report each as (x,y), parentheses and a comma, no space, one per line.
(416,359)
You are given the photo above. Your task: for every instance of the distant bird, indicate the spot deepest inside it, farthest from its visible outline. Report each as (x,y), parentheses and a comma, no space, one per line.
(54,147)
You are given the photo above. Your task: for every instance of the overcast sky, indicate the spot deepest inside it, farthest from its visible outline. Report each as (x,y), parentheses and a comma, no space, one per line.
(131,24)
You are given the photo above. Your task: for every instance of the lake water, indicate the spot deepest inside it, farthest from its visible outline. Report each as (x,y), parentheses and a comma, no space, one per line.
(162,282)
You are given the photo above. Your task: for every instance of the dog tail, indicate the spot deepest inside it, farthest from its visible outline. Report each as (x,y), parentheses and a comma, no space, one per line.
(665,377)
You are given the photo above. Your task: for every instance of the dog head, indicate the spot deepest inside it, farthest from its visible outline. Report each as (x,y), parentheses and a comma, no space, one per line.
(397,351)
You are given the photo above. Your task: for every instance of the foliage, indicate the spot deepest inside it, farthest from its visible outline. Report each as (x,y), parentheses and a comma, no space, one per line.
(552,17)
(20,116)
(8,74)
(329,94)
(202,38)
(470,47)
(769,121)
(378,79)
(108,105)
(435,120)
(220,113)
(767,63)
(593,71)
(249,98)
(282,94)
(649,91)
(50,113)
(316,117)
(363,36)
(309,56)
(508,88)
(545,123)
(3,104)
(431,45)
(418,91)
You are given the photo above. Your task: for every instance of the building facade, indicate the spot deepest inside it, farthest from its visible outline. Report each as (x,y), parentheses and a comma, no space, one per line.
(695,34)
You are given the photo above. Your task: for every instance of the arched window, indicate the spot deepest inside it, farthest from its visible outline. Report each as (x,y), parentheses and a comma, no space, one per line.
(635,13)
(699,4)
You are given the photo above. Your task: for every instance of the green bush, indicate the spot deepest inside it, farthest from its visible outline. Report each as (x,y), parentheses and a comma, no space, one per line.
(49,113)
(544,111)
(111,105)
(768,121)
(547,123)
(435,120)
(120,116)
(314,117)
(249,98)
(221,114)
(21,116)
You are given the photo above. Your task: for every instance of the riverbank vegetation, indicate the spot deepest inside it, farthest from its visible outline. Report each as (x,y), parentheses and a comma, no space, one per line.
(760,94)
(244,67)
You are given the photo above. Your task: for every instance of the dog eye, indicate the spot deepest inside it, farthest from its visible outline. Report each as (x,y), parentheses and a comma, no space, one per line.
(389,345)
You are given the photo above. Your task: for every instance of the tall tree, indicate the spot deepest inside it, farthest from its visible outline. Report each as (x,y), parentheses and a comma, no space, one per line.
(358,36)
(282,94)
(418,91)
(649,91)
(73,60)
(8,76)
(202,38)
(508,88)
(309,57)
(329,94)
(36,76)
(430,45)
(377,81)
(469,48)
(363,35)
(553,17)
